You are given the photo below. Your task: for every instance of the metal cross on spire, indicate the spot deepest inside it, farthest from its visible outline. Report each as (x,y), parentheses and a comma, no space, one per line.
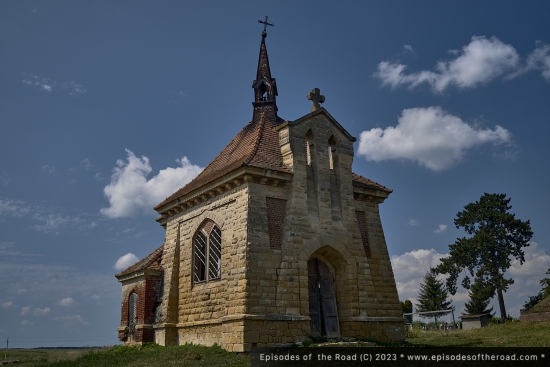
(265,23)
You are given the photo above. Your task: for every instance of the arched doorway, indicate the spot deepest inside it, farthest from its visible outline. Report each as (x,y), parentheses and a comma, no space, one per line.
(322,300)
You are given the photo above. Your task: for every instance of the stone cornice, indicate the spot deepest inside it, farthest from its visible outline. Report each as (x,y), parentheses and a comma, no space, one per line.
(220,186)
(366,194)
(135,275)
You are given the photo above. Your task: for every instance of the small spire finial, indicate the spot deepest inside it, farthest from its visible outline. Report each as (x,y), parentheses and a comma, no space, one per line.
(315,97)
(265,23)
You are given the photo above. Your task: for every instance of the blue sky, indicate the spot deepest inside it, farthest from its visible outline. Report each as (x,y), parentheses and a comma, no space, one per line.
(108,107)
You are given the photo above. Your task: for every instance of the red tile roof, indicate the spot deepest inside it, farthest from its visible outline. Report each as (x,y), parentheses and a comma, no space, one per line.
(257,145)
(152,261)
(361,181)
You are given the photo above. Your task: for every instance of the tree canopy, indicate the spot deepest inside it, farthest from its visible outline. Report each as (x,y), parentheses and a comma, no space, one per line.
(480,295)
(497,238)
(433,296)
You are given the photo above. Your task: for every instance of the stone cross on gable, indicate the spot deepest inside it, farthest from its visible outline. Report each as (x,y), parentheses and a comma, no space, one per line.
(316,98)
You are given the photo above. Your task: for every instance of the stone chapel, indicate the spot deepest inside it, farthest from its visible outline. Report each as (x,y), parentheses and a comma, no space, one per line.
(274,241)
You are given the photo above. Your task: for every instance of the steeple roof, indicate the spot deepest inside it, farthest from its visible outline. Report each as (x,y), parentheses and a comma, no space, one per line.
(256,145)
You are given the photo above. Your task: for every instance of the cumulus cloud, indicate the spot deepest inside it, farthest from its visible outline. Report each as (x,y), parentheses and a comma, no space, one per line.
(21,291)
(26,323)
(67,302)
(441,228)
(95,296)
(26,310)
(429,136)
(41,311)
(539,59)
(125,261)
(6,304)
(537,262)
(131,193)
(479,62)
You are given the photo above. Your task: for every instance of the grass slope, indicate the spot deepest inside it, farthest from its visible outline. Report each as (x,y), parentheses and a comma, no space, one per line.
(515,334)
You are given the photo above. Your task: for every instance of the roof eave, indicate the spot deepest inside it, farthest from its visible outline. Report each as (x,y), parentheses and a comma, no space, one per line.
(213,185)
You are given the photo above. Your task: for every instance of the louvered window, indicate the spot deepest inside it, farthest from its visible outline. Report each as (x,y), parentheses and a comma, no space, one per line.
(207,248)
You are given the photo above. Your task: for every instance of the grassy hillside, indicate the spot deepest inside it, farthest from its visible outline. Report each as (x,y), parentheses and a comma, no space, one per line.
(526,334)
(513,334)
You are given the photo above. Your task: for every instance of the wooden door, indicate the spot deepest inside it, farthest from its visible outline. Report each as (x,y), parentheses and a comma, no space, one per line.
(322,300)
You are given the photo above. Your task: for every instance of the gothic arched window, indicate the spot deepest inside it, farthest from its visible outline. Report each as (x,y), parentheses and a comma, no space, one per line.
(132,312)
(207,253)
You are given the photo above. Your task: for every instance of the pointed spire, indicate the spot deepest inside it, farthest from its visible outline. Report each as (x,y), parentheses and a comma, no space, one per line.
(265,87)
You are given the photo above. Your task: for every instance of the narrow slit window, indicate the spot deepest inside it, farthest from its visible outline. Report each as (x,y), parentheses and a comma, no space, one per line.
(132,312)
(215,253)
(330,163)
(200,258)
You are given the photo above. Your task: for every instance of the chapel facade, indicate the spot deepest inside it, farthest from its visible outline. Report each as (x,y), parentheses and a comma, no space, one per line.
(274,241)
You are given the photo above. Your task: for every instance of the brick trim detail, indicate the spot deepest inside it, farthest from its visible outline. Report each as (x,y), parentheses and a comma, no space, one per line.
(275,221)
(362,223)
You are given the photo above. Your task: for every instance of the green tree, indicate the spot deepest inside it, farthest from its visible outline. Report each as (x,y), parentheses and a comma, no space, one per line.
(406,307)
(480,295)
(545,292)
(497,237)
(433,296)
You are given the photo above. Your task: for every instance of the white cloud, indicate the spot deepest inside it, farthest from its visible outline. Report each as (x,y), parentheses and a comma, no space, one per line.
(41,311)
(6,304)
(125,261)
(48,168)
(442,228)
(26,310)
(409,270)
(48,84)
(5,178)
(26,323)
(53,222)
(67,302)
(16,208)
(130,193)
(539,59)
(72,321)
(95,296)
(408,48)
(413,222)
(479,62)
(86,164)
(430,136)
(21,291)
(537,262)
(5,250)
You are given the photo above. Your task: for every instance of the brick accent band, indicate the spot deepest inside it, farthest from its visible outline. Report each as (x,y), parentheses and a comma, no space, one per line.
(275,221)
(362,223)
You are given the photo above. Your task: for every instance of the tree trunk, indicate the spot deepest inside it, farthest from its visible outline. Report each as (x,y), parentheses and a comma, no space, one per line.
(501,305)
